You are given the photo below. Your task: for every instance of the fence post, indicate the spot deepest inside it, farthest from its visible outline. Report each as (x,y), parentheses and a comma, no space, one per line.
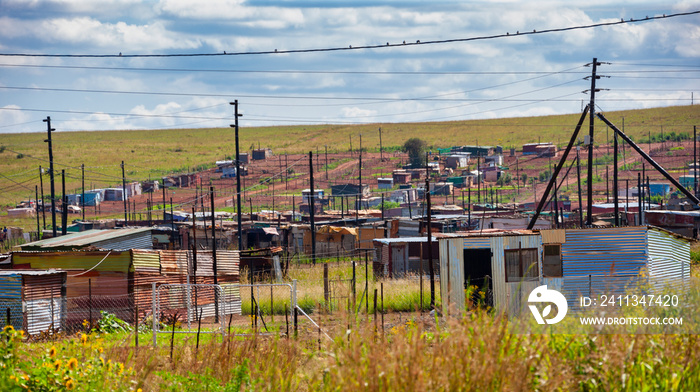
(295,322)
(90,299)
(326,289)
(375,313)
(354,286)
(153,312)
(381,286)
(366,284)
(53,327)
(8,318)
(136,329)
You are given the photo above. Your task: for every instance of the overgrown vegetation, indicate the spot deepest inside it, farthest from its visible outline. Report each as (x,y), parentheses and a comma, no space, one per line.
(479,352)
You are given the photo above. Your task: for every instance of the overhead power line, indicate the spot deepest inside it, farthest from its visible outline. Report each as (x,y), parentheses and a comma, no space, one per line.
(287,71)
(361,47)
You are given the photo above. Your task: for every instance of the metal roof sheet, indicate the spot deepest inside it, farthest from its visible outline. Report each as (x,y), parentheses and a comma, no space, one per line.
(85,238)
(30,272)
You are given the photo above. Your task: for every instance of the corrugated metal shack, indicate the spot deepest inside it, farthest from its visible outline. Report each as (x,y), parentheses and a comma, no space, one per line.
(35,299)
(120,282)
(506,265)
(261,154)
(574,261)
(263,262)
(397,257)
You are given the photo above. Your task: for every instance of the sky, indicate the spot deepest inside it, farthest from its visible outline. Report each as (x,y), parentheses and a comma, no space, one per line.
(307,62)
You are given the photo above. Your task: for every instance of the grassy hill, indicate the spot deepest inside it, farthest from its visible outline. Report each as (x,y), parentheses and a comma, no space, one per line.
(154,153)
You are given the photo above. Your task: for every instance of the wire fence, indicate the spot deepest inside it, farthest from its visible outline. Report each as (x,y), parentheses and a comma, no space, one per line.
(271,304)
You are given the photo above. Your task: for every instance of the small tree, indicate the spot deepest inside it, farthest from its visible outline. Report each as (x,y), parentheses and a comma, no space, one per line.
(415,148)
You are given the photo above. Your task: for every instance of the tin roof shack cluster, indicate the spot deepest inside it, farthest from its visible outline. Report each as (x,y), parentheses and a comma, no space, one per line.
(121,282)
(509,265)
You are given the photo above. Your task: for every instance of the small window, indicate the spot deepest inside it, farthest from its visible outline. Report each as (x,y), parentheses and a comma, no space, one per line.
(521,265)
(551,263)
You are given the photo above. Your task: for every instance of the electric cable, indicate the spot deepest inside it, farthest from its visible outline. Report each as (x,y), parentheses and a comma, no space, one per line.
(360,47)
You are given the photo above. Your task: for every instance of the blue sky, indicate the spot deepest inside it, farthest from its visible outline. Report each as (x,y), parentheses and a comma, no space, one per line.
(652,63)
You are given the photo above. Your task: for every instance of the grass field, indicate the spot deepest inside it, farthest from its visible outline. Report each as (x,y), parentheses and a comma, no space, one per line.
(154,153)
(480,352)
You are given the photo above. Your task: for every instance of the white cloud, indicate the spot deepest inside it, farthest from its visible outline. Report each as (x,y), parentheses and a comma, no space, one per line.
(12,119)
(90,32)
(355,112)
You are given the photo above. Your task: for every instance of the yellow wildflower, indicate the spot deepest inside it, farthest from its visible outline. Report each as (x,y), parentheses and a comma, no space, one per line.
(52,351)
(70,384)
(57,364)
(83,338)
(85,323)
(72,364)
(25,377)
(120,367)
(102,361)
(14,378)
(139,390)
(8,329)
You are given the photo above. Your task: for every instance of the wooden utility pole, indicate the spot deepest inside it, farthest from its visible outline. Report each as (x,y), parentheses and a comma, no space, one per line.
(312,208)
(591,128)
(64,205)
(51,176)
(615,187)
(43,209)
(238,178)
(124,195)
(430,246)
(82,196)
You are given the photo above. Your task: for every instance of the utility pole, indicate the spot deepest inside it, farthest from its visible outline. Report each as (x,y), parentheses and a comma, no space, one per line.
(594,77)
(286,172)
(695,160)
(124,194)
(517,174)
(430,246)
(238,177)
(164,209)
(213,237)
(312,208)
(82,196)
(64,205)
(478,179)
(381,150)
(51,176)
(43,209)
(326,162)
(359,189)
(36,204)
(615,188)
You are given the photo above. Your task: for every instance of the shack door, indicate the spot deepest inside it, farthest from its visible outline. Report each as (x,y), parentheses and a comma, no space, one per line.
(399,260)
(477,272)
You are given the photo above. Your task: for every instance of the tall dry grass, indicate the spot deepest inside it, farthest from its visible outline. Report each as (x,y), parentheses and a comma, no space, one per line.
(480,352)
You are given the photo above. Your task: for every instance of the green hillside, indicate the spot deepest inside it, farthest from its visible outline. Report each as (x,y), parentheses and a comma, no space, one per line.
(153,153)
